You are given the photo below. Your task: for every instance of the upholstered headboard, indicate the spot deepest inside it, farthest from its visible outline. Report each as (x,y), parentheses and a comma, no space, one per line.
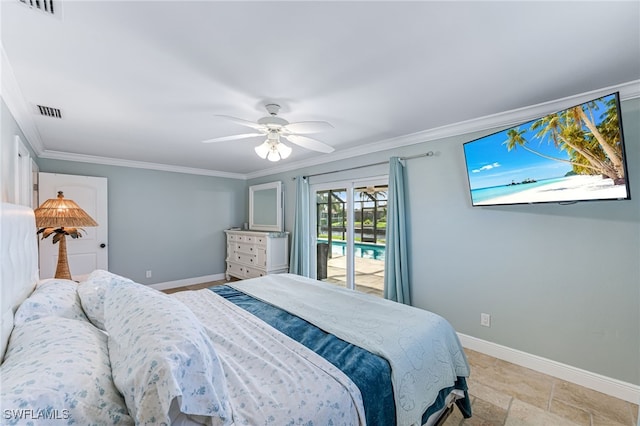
(18,262)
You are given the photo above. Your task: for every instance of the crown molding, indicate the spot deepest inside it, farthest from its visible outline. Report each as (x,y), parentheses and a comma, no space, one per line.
(629,90)
(15,101)
(23,114)
(107,161)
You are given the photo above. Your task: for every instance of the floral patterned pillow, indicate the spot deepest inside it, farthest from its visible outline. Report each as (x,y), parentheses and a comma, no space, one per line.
(92,293)
(55,297)
(162,358)
(57,371)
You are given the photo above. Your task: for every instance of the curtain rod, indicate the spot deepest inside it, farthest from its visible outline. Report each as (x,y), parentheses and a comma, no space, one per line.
(426,154)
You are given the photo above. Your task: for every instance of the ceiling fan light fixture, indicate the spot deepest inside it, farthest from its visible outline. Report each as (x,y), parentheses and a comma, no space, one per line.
(273,150)
(284,150)
(276,128)
(263,149)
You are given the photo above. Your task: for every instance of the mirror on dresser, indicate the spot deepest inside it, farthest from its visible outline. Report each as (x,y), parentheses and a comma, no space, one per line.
(265,207)
(263,249)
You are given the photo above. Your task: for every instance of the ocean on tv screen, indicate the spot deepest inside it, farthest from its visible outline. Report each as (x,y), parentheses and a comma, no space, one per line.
(564,189)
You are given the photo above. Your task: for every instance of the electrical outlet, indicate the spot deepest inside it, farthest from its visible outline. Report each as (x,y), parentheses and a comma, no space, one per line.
(149,274)
(485,320)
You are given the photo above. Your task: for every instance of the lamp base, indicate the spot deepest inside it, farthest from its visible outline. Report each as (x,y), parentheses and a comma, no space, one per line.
(62,269)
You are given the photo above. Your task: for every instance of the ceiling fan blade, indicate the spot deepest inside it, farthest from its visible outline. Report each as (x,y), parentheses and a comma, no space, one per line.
(243,122)
(233,138)
(309,143)
(304,127)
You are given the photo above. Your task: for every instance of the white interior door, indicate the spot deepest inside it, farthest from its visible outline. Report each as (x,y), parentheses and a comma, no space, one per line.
(89,252)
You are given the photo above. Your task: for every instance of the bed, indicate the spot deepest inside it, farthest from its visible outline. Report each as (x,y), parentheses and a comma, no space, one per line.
(275,350)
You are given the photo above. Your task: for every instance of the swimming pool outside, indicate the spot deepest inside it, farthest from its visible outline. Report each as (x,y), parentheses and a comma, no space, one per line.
(363,250)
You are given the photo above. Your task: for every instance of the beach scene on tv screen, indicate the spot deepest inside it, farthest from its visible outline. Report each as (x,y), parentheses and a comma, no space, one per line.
(572,155)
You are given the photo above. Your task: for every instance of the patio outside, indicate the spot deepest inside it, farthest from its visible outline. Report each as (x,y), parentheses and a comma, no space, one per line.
(369,274)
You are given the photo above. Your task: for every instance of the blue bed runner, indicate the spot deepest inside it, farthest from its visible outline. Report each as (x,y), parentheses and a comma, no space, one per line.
(371,373)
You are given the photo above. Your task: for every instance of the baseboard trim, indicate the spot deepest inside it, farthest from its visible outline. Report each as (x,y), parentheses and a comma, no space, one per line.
(188,281)
(607,385)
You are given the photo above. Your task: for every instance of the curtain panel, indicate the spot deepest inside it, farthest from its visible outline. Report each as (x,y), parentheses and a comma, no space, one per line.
(300,239)
(396,267)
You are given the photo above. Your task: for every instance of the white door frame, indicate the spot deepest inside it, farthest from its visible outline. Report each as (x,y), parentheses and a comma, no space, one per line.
(23,178)
(35,179)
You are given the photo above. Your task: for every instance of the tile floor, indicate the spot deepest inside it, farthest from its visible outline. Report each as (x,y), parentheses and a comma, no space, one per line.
(504,394)
(196,286)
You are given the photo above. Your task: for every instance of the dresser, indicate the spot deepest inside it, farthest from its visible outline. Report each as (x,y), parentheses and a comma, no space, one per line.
(253,254)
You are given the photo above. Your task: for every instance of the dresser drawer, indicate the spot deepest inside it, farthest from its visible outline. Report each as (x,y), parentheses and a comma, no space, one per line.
(247,238)
(242,271)
(235,269)
(253,273)
(248,259)
(253,254)
(245,248)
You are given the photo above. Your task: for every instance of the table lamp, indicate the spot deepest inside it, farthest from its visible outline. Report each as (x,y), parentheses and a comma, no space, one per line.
(61,217)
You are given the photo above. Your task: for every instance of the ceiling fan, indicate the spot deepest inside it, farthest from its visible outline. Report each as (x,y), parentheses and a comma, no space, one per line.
(275,127)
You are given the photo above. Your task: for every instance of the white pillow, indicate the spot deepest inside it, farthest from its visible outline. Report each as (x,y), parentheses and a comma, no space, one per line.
(58,369)
(92,293)
(161,357)
(58,298)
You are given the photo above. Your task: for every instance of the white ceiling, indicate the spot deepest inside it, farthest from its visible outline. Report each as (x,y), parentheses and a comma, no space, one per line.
(142,81)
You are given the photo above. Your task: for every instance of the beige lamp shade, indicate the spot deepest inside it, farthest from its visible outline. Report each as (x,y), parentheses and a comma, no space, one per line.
(60,212)
(53,216)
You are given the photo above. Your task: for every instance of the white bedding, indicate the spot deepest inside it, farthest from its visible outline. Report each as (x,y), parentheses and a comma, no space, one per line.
(301,393)
(422,348)
(272,379)
(159,361)
(162,358)
(57,371)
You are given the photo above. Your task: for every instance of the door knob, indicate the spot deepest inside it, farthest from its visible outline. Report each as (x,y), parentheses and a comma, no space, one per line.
(103,245)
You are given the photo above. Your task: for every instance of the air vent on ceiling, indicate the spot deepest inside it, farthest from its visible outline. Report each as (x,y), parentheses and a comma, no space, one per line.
(49,112)
(46,6)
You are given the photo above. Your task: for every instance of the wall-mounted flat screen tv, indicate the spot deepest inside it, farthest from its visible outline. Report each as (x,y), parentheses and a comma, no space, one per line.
(576,154)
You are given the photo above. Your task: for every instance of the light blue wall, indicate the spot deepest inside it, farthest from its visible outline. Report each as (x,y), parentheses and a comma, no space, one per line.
(169,223)
(560,281)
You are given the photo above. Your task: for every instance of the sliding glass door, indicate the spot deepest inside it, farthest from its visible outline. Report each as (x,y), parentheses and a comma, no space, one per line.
(350,230)
(332,213)
(370,225)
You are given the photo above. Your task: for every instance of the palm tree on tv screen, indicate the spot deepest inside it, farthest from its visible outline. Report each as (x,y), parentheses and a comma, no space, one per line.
(592,149)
